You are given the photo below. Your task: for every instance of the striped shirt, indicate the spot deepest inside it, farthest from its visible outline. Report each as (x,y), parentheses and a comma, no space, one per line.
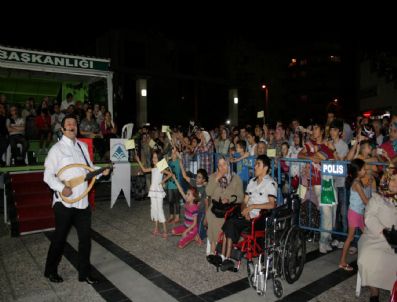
(191,211)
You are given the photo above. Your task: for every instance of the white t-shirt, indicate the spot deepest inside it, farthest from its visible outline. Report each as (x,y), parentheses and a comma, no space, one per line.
(259,193)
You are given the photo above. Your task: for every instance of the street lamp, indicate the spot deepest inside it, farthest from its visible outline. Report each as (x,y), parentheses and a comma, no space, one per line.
(266,88)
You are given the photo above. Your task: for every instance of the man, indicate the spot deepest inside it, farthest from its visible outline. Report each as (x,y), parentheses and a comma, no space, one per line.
(316,150)
(66,103)
(340,150)
(260,195)
(16,130)
(65,152)
(261,148)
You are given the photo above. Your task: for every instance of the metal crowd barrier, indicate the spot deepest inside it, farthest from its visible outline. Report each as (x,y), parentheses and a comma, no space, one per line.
(301,170)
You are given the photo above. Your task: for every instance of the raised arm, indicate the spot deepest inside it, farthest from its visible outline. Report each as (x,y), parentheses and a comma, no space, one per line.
(179,187)
(145,170)
(168,176)
(187,178)
(359,189)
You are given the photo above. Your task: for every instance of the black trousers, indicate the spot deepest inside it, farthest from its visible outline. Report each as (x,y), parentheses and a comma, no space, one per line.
(237,224)
(64,219)
(173,199)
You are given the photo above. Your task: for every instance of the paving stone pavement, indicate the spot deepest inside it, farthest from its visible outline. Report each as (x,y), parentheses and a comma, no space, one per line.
(140,267)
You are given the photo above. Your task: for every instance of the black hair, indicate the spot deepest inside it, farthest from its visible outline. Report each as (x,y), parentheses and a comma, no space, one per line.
(204,173)
(337,124)
(69,95)
(67,117)
(354,167)
(243,144)
(159,156)
(265,160)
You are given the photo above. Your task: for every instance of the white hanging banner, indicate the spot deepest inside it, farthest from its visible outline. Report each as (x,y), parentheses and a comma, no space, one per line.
(121,176)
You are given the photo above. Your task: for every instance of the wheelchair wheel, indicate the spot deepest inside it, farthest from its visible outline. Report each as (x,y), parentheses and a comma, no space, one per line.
(251,274)
(294,255)
(278,288)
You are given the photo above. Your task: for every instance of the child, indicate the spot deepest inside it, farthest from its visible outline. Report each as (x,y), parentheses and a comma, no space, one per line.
(188,230)
(358,200)
(241,168)
(173,194)
(156,192)
(199,183)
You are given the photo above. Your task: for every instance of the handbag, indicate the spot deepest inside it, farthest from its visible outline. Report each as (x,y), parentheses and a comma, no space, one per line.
(219,209)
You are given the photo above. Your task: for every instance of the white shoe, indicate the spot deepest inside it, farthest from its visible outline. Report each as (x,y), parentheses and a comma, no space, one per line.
(328,248)
(335,243)
(340,245)
(323,249)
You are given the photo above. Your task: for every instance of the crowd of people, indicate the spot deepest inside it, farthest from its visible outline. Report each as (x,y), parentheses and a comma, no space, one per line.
(210,166)
(18,126)
(370,145)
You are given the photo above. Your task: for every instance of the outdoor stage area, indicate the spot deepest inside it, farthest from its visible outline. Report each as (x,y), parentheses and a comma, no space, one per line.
(135,266)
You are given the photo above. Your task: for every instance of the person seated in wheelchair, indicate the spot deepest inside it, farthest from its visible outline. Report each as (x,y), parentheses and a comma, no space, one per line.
(260,195)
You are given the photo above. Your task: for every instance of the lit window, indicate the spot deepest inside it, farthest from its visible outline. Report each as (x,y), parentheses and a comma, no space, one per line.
(292,63)
(335,59)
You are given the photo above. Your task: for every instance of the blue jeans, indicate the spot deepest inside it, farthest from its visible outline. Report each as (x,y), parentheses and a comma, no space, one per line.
(202,230)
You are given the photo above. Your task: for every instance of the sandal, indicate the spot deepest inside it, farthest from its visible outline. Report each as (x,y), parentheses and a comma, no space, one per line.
(198,240)
(164,235)
(346,267)
(155,232)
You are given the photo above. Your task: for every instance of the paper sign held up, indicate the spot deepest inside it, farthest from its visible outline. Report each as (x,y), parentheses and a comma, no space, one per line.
(169,137)
(260,114)
(162,165)
(152,144)
(271,152)
(165,128)
(129,144)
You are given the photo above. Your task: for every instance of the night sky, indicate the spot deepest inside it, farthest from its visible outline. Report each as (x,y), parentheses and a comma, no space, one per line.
(270,36)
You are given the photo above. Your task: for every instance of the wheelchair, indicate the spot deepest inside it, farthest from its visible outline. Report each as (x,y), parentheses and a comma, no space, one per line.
(276,252)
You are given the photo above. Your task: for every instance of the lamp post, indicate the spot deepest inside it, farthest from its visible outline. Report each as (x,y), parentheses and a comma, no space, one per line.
(266,88)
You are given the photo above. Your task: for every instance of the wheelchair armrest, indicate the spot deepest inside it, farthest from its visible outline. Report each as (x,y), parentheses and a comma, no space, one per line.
(281,211)
(231,210)
(262,216)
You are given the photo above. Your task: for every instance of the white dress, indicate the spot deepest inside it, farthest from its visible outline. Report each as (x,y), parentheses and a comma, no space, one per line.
(156,189)
(377,261)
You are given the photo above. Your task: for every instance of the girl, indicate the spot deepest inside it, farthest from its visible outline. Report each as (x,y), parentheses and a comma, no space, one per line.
(199,183)
(156,192)
(188,230)
(358,200)
(173,195)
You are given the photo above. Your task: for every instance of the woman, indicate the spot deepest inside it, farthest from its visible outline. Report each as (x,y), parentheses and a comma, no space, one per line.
(222,184)
(108,127)
(377,261)
(222,144)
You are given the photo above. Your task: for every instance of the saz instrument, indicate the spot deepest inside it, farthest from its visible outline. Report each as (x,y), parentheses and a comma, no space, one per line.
(74,182)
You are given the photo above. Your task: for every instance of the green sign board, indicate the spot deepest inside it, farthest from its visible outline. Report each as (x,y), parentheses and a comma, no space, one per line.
(58,60)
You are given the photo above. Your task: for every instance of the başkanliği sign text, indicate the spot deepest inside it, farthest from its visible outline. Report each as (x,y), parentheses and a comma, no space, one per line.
(52,60)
